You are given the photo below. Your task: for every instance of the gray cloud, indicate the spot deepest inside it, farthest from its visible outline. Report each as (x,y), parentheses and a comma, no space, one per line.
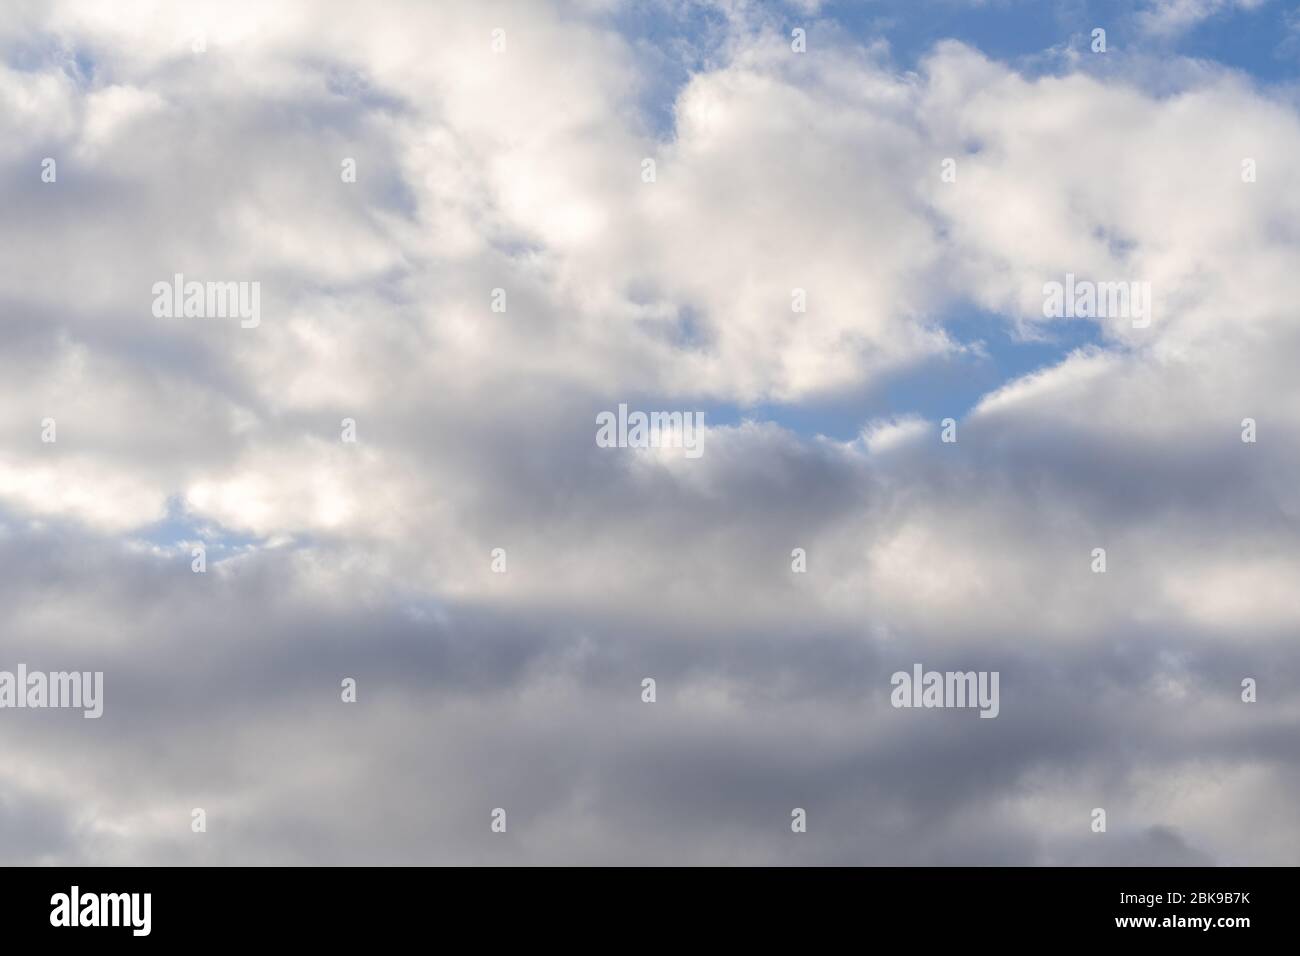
(522,690)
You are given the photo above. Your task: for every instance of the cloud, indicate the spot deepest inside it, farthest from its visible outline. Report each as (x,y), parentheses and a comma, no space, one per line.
(523,171)
(1167,18)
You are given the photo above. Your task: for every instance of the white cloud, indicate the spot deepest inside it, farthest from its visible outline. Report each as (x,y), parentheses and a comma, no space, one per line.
(522,171)
(1172,17)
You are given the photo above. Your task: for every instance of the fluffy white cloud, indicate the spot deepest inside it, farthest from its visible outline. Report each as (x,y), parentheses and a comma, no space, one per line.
(522,170)
(1171,17)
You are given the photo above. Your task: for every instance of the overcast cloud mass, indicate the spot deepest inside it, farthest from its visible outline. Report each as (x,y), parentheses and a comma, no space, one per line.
(212,140)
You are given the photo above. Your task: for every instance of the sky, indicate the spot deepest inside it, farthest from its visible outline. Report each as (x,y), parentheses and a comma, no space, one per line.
(431,597)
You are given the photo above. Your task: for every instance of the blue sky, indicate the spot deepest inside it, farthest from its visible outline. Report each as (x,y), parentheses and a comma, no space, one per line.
(1256,38)
(1251,40)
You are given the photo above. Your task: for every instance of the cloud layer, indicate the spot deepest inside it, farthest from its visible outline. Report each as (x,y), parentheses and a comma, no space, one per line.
(209,141)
